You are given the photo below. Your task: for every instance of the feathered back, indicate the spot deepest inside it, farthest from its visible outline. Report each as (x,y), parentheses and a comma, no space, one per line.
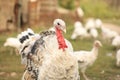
(25,35)
(27,39)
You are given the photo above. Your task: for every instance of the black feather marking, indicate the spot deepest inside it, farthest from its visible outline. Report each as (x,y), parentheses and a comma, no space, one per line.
(21,41)
(40,42)
(30,34)
(80,61)
(24,48)
(27,37)
(23,38)
(46,33)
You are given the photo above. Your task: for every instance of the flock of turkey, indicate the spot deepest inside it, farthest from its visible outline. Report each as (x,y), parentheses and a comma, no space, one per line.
(50,56)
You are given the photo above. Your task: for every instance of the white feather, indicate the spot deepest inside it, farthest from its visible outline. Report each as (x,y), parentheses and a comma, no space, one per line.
(12,42)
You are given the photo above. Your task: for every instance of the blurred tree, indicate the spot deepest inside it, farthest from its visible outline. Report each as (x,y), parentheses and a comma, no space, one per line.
(96,9)
(114,3)
(68,4)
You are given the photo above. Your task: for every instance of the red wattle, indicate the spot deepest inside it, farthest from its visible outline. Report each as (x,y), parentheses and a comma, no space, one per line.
(60,39)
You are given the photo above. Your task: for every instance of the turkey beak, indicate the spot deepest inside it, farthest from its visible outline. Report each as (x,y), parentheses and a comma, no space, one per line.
(64,29)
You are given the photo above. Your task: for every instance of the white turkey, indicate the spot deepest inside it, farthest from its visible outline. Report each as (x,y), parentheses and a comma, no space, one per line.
(93,23)
(116,41)
(94,33)
(79,30)
(90,23)
(108,34)
(98,23)
(87,58)
(49,56)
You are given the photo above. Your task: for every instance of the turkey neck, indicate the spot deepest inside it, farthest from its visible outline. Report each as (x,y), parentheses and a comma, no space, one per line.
(60,39)
(95,50)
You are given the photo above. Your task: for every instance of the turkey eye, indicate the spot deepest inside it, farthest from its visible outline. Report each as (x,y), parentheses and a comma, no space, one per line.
(58,23)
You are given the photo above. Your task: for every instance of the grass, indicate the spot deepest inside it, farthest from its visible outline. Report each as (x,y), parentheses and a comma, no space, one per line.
(103,69)
(99,9)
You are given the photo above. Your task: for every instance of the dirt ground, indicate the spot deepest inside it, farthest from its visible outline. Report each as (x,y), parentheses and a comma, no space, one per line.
(112,26)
